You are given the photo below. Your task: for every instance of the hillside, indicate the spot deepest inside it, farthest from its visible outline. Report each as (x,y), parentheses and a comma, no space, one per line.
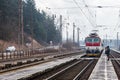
(35,23)
(5,44)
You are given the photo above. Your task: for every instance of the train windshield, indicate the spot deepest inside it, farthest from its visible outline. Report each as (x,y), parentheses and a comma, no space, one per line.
(92,40)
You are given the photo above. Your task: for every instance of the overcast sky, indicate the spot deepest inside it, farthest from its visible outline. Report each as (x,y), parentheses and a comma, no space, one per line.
(108,15)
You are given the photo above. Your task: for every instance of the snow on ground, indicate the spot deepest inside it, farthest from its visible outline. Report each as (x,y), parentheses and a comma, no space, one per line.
(14,75)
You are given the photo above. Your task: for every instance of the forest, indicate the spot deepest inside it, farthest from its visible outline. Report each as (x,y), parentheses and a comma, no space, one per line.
(36,23)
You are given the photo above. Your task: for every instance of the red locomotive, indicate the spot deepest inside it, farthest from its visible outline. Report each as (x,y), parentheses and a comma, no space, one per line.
(93,45)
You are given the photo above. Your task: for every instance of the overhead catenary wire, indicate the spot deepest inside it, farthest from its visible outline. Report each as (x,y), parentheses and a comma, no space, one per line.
(89,11)
(118,19)
(84,13)
(117,24)
(93,15)
(88,8)
(81,21)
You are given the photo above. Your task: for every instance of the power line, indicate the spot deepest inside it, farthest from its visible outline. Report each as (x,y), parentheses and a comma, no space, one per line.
(87,8)
(83,13)
(117,24)
(92,6)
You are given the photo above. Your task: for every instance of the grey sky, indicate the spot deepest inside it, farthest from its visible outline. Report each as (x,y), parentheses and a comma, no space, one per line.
(107,16)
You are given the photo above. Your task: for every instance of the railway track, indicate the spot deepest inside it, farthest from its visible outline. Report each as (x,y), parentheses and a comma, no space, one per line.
(115,54)
(72,71)
(20,65)
(116,63)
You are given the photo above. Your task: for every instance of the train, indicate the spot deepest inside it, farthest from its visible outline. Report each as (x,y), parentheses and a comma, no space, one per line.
(93,45)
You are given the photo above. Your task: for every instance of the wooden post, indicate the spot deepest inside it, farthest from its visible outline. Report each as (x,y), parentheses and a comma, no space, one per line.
(2,55)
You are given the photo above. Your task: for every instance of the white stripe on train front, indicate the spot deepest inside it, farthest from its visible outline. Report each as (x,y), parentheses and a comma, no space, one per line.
(93,47)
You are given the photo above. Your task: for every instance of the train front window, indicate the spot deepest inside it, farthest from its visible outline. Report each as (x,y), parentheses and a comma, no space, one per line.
(96,39)
(91,40)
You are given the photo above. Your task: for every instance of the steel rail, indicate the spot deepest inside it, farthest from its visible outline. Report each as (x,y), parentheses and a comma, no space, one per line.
(83,70)
(115,60)
(63,70)
(117,53)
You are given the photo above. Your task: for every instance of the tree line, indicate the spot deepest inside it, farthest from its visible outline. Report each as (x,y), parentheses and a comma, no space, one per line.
(36,22)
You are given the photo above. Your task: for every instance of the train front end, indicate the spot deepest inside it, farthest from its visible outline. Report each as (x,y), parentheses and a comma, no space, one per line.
(93,45)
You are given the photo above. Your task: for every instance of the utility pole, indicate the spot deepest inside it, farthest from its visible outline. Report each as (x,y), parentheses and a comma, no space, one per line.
(60,29)
(66,34)
(74,33)
(106,40)
(0,16)
(60,44)
(21,32)
(117,40)
(31,25)
(78,36)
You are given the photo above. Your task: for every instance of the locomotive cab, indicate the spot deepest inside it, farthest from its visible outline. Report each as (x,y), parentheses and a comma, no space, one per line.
(93,45)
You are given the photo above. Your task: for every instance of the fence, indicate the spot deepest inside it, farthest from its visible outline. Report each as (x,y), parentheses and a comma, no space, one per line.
(24,54)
